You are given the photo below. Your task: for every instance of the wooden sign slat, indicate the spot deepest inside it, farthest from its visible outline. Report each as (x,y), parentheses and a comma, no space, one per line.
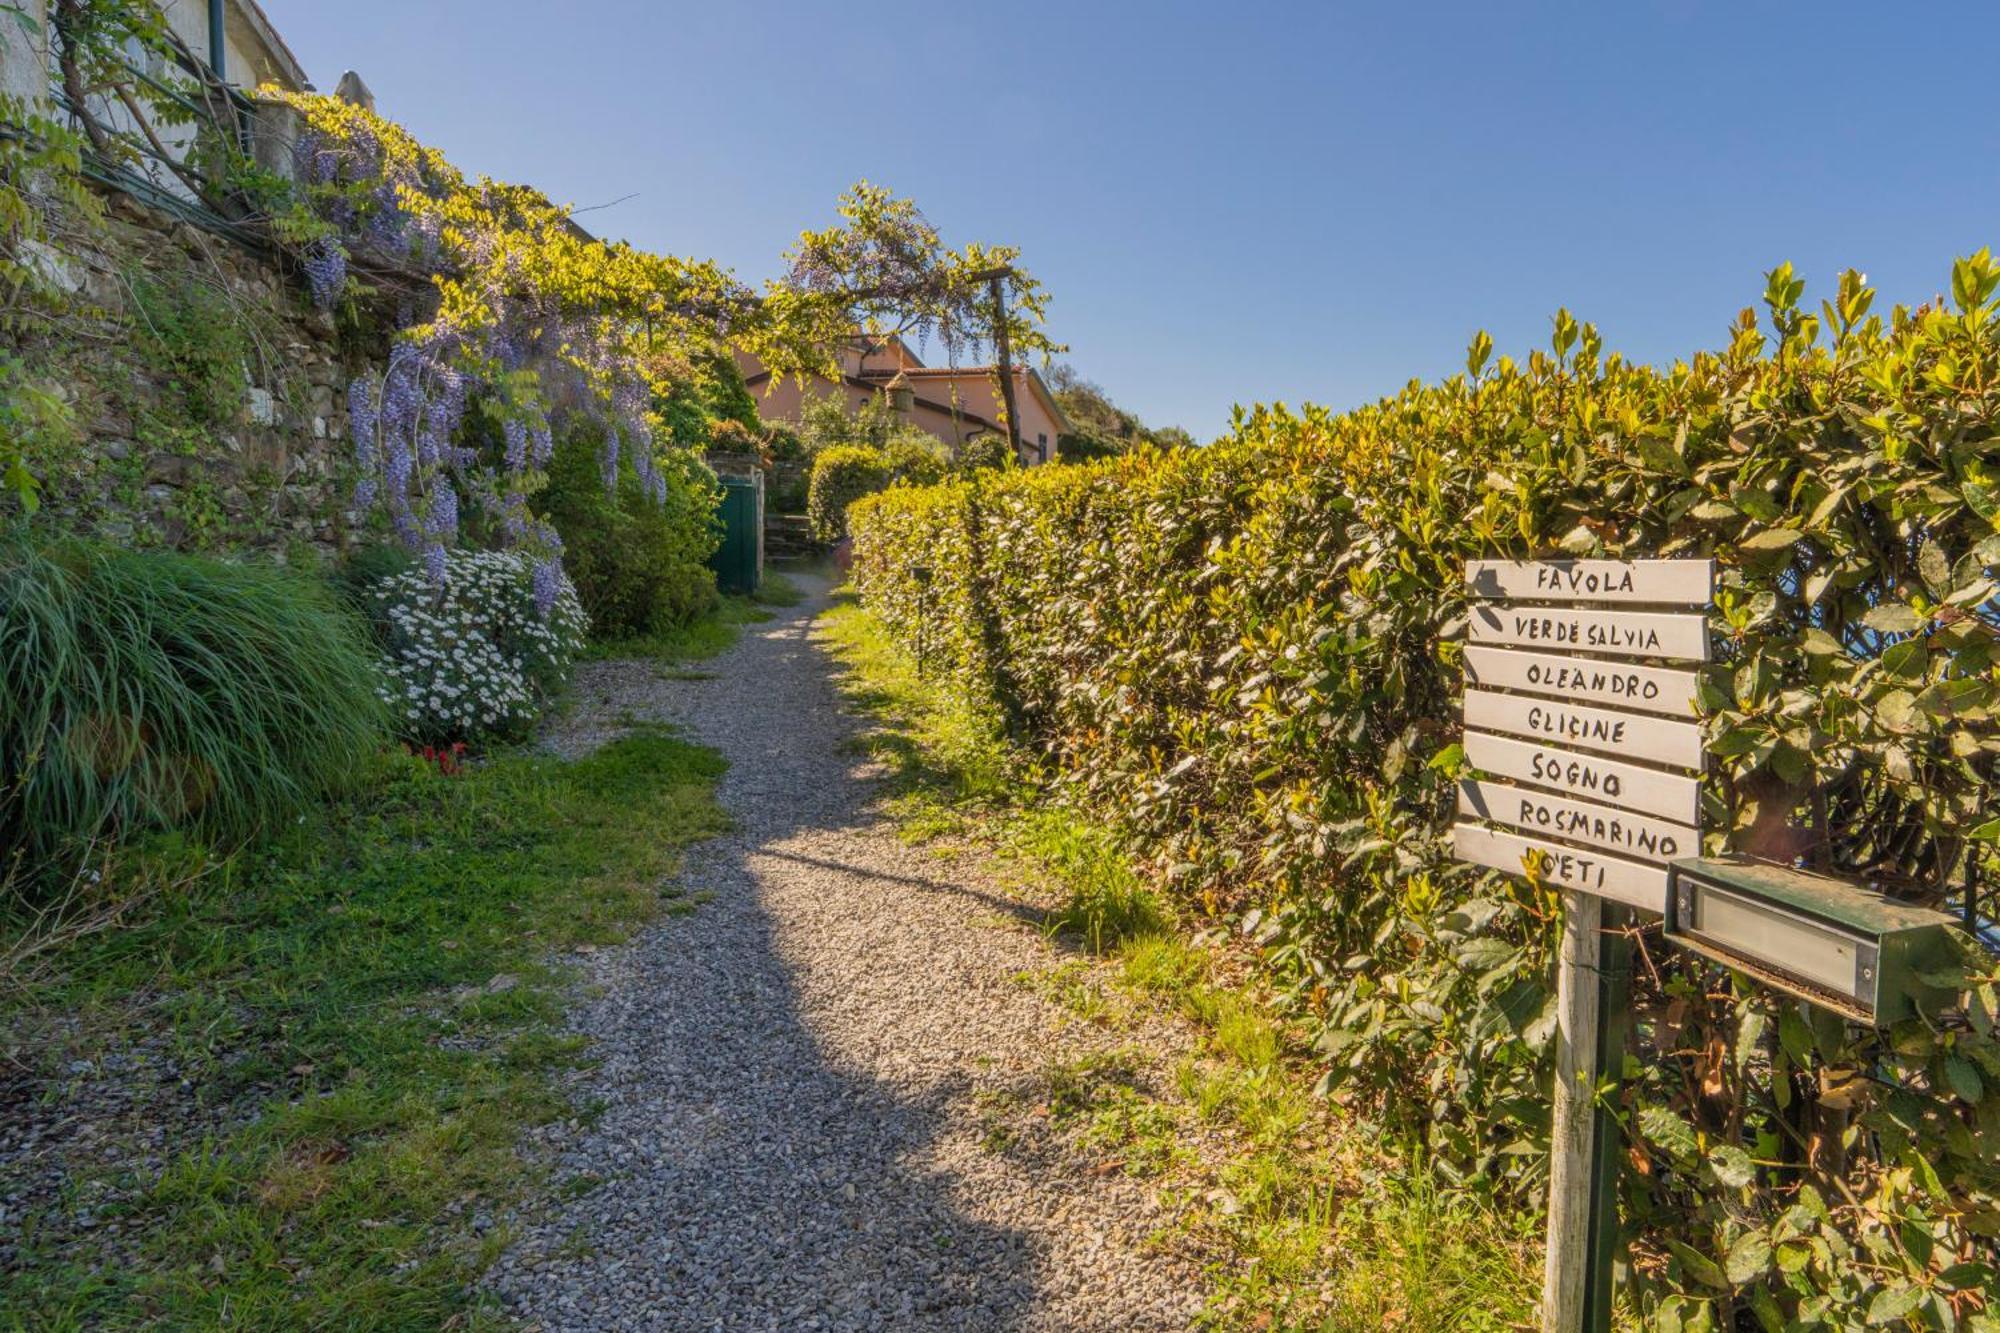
(1619,684)
(1627,786)
(1641,837)
(1607,876)
(1682,637)
(1579,726)
(1642,582)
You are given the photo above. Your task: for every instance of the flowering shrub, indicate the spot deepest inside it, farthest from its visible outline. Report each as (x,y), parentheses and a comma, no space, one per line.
(472,655)
(638,565)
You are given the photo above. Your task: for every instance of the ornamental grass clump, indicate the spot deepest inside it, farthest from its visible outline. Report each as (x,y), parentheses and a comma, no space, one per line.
(471,655)
(146,691)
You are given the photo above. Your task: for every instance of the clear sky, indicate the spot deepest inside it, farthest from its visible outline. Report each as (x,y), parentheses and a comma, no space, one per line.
(1236,202)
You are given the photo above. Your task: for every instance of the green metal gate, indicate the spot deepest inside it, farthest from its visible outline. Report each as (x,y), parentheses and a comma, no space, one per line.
(737,564)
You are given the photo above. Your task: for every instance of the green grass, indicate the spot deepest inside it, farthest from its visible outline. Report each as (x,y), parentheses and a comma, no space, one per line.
(1302,1218)
(1107,902)
(947,765)
(369,1003)
(707,635)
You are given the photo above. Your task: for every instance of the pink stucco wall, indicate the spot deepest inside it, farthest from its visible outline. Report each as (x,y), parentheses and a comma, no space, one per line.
(977,396)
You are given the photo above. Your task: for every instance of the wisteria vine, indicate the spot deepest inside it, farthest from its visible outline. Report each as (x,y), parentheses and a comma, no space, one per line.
(505,306)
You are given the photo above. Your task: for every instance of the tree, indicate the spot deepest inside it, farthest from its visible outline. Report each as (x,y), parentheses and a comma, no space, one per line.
(1102,428)
(887,272)
(826,422)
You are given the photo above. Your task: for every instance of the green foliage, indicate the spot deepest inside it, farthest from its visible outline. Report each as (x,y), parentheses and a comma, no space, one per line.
(367,564)
(192,337)
(729,436)
(990,451)
(724,395)
(1249,654)
(859,452)
(826,422)
(37,430)
(149,691)
(1108,903)
(364,1011)
(1102,428)
(40,174)
(784,444)
(639,567)
(840,476)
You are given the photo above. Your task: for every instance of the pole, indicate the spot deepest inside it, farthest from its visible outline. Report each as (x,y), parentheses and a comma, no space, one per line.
(1006,361)
(1593,989)
(218,42)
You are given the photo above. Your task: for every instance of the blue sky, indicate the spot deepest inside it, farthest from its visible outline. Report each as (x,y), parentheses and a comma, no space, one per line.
(1232,203)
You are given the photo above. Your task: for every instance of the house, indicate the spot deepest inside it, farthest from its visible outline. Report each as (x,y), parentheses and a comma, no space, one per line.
(958,404)
(230,42)
(250,53)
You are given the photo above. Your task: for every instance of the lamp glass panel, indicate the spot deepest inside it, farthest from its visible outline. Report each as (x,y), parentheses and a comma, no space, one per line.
(1779,939)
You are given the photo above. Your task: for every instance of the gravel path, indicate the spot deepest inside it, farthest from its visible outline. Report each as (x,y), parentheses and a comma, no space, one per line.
(792,1077)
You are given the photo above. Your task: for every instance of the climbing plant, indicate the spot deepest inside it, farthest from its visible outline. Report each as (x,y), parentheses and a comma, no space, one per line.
(507,319)
(40,169)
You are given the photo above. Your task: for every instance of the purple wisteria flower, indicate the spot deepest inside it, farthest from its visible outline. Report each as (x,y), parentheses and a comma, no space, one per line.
(418,462)
(547,581)
(608,459)
(443,520)
(363,417)
(326,269)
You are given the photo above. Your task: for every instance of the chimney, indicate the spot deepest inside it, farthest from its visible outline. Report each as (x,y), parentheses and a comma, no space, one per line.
(353,91)
(902,396)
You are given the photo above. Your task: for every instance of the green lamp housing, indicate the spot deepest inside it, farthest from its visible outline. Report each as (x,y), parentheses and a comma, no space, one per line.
(1830,941)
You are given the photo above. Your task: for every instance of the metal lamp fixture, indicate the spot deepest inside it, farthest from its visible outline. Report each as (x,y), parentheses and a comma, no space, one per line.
(1833,942)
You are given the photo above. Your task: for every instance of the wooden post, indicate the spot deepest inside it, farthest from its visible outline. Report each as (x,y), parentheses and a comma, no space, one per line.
(1593,986)
(1005,350)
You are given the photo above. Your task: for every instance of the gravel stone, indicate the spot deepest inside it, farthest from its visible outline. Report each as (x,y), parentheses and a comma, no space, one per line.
(788,1131)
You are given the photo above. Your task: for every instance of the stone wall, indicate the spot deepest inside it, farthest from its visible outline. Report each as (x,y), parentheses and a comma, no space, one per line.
(209,394)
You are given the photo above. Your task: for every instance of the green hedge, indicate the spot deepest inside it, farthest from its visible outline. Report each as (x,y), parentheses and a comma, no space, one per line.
(840,476)
(1250,653)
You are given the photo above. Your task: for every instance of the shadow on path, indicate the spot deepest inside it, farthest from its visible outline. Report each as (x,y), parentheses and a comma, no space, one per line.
(776,1071)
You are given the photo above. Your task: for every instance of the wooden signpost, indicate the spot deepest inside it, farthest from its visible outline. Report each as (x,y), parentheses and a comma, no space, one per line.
(1585,734)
